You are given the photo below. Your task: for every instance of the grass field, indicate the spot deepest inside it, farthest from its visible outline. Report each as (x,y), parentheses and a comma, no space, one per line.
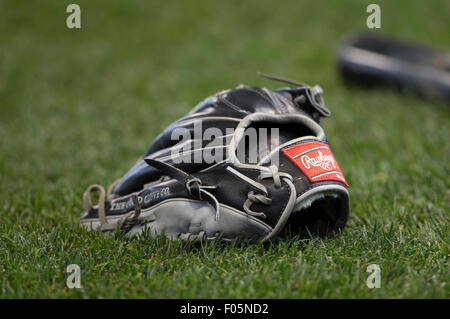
(79,106)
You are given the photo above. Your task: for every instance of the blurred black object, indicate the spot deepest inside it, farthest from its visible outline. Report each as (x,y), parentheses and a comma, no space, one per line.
(375,60)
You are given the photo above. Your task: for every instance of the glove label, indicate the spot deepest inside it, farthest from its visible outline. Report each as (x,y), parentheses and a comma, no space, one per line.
(316,161)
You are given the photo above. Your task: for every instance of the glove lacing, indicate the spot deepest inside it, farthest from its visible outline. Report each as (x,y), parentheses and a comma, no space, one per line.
(126,223)
(263,198)
(193,185)
(314,94)
(196,189)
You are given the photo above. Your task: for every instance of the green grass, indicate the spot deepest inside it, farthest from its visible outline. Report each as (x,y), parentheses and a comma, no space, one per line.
(79,106)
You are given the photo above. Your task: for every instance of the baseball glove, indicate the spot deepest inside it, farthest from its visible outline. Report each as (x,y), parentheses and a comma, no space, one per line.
(247,163)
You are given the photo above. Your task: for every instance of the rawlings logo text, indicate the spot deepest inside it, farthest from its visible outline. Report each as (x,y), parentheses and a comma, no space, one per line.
(326,162)
(316,161)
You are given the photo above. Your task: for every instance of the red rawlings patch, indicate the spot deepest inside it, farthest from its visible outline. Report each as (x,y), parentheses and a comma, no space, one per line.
(316,161)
